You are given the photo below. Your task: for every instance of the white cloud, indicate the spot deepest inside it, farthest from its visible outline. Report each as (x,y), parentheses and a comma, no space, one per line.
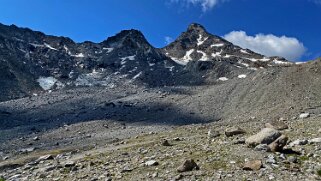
(269,45)
(168,40)
(205,4)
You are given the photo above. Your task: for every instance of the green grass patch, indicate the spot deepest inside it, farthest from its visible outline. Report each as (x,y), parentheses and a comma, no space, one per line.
(2,179)
(319,172)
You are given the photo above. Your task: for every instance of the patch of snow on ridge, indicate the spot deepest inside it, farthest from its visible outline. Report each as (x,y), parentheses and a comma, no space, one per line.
(244,64)
(67,50)
(204,56)
(265,59)
(138,75)
(46,83)
(244,51)
(184,60)
(281,62)
(108,49)
(50,47)
(79,55)
(242,76)
(217,45)
(223,79)
(200,40)
(217,54)
(132,57)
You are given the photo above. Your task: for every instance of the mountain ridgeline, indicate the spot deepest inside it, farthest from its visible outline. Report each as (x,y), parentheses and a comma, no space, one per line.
(32,62)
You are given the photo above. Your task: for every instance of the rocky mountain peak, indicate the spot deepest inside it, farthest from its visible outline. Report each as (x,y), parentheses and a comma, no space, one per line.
(127,37)
(195,27)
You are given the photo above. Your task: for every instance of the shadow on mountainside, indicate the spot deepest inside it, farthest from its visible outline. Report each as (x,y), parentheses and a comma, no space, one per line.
(50,116)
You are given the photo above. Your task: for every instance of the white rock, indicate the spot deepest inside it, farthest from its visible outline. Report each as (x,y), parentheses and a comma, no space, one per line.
(298,142)
(304,115)
(315,140)
(151,163)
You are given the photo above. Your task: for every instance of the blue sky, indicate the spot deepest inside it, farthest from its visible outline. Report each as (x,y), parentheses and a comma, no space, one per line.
(289,28)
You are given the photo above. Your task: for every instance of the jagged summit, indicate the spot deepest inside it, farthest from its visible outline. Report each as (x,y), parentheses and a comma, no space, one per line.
(196,44)
(196,27)
(125,36)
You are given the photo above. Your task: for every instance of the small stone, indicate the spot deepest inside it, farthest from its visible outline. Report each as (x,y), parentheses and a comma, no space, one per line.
(278,125)
(278,144)
(177,139)
(69,164)
(304,115)
(319,130)
(293,159)
(126,169)
(155,175)
(234,131)
(188,165)
(35,138)
(166,143)
(151,163)
(45,157)
(239,141)
(178,177)
(212,134)
(253,165)
(262,147)
(271,159)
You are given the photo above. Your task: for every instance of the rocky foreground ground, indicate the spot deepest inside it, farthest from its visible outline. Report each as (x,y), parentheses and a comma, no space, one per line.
(223,150)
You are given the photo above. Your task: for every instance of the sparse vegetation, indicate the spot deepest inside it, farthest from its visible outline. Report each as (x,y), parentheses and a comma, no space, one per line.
(319,172)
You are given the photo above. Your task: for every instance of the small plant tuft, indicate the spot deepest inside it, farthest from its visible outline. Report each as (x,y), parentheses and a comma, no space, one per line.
(319,172)
(2,179)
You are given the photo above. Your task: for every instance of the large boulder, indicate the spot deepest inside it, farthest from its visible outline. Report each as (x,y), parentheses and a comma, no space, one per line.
(265,136)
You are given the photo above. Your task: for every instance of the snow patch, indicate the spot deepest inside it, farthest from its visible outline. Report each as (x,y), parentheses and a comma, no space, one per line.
(185,59)
(50,47)
(223,79)
(244,51)
(201,40)
(264,59)
(204,56)
(242,76)
(151,64)
(244,64)
(128,57)
(217,45)
(137,75)
(108,49)
(281,62)
(46,83)
(217,54)
(79,55)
